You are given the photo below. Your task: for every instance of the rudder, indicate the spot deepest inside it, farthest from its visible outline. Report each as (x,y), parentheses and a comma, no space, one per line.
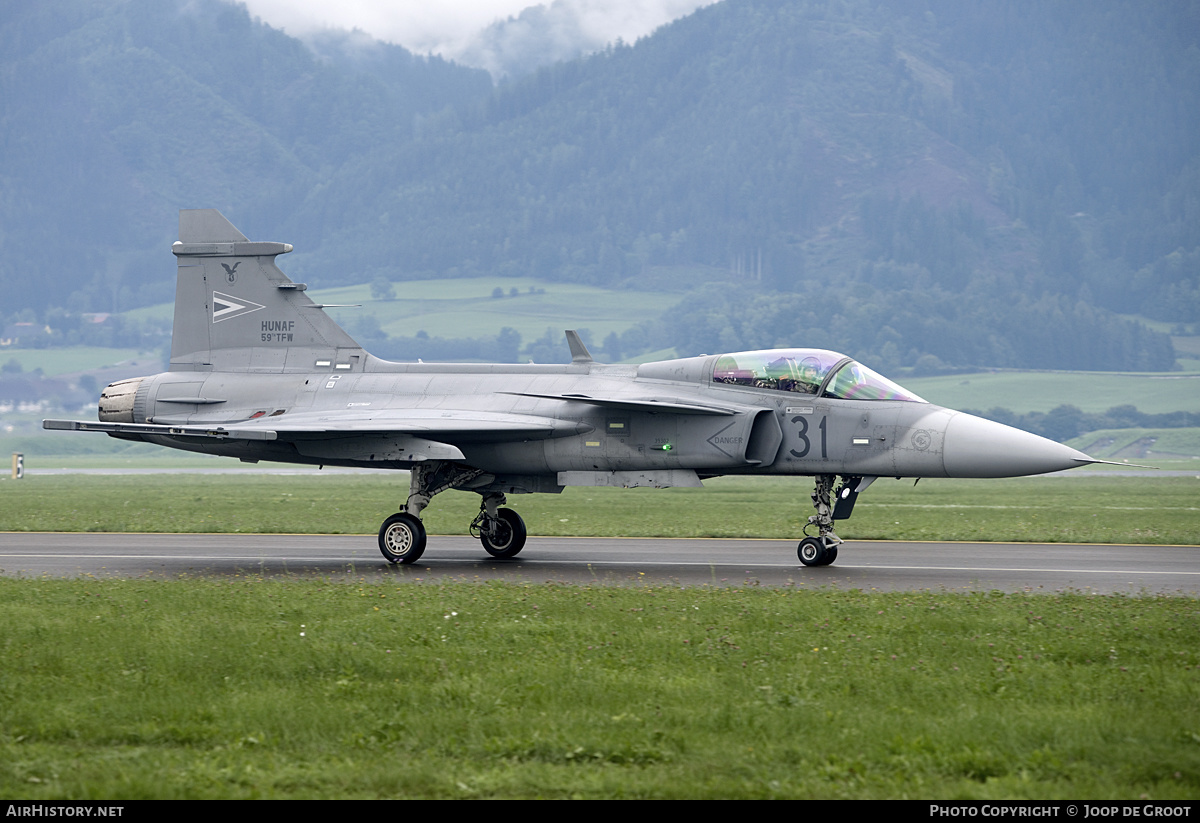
(236,311)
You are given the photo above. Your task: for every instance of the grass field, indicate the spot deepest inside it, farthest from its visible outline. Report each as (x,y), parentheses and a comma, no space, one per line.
(1095,509)
(68,359)
(465,307)
(1027,391)
(246,688)
(1166,448)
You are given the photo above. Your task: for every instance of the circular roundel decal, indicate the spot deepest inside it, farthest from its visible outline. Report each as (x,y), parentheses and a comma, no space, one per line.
(921,440)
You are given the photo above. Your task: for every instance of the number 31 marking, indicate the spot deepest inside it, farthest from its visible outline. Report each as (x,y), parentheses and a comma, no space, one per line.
(803,435)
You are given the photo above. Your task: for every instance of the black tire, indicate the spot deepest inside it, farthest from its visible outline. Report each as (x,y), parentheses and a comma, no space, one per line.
(811,552)
(402,538)
(509,538)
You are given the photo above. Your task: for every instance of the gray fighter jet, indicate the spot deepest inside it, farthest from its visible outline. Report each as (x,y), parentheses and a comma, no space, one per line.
(259,372)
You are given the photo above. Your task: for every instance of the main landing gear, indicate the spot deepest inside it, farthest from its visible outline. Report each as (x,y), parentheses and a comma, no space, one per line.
(402,536)
(822,549)
(502,531)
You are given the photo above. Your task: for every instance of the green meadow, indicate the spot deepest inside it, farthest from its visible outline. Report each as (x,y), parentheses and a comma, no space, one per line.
(1165,448)
(1029,391)
(247,688)
(71,359)
(466,307)
(1087,509)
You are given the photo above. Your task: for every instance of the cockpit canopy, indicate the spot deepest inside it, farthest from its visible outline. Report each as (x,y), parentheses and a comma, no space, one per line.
(808,371)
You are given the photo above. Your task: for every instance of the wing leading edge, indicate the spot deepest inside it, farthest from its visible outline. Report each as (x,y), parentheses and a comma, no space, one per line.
(460,424)
(665,406)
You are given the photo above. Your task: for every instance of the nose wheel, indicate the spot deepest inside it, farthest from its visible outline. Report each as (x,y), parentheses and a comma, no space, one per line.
(821,550)
(813,551)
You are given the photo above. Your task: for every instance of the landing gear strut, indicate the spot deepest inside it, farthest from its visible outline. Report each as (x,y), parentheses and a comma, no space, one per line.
(821,550)
(402,536)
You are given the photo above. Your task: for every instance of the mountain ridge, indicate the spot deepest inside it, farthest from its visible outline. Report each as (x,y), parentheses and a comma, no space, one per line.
(960,158)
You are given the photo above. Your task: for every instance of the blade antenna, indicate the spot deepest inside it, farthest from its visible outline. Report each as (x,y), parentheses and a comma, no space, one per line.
(579,352)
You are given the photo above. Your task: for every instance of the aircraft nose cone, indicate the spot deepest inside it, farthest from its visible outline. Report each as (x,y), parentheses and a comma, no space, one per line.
(975,447)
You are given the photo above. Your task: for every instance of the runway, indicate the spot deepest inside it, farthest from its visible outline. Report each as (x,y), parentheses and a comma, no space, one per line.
(865,565)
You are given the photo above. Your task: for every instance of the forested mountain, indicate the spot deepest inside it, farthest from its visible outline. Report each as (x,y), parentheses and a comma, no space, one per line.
(116,113)
(539,36)
(975,184)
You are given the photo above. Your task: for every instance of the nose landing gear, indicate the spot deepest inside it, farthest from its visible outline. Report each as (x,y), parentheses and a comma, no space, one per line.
(821,550)
(813,551)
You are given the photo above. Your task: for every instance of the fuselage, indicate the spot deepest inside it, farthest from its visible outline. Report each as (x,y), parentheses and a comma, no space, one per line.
(598,418)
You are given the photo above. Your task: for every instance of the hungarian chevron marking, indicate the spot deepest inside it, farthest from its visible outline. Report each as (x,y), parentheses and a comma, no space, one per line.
(226,307)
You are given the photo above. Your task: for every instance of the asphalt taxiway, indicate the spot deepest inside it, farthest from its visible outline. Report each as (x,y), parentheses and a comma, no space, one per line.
(865,565)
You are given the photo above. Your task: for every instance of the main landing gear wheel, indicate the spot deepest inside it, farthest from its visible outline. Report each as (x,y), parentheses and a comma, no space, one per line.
(812,551)
(506,537)
(402,538)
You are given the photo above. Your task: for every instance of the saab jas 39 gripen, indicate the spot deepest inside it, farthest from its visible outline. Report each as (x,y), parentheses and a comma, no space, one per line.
(259,372)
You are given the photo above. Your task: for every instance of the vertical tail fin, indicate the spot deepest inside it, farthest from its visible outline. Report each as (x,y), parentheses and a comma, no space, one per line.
(236,311)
